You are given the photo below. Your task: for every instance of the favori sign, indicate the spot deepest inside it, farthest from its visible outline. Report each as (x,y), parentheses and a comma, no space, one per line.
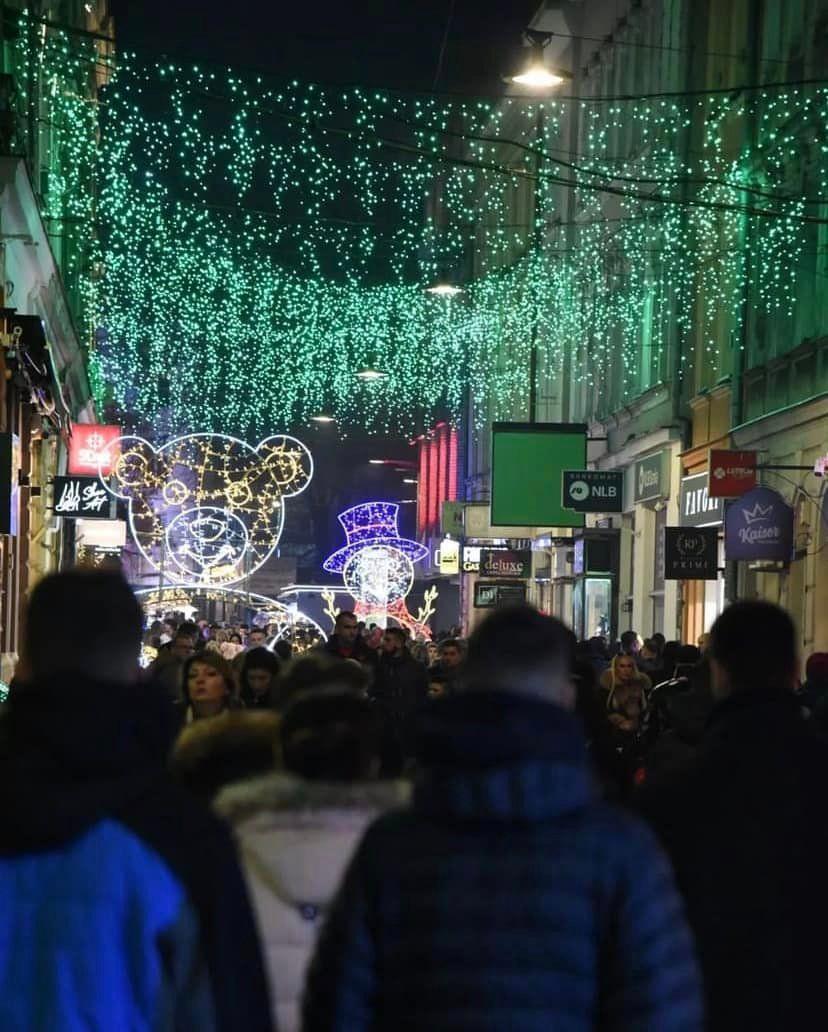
(760,525)
(93,449)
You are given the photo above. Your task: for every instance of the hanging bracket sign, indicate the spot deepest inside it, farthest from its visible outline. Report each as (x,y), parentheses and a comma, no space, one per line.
(593,490)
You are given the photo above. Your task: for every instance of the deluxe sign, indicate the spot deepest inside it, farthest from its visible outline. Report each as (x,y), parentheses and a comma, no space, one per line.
(83,497)
(93,449)
(691,553)
(505,562)
(732,473)
(760,525)
(593,490)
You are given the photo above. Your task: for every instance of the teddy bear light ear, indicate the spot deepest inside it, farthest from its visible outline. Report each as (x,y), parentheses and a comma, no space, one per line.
(287,462)
(138,469)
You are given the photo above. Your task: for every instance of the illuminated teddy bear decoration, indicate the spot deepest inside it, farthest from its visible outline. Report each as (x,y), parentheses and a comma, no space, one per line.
(208,507)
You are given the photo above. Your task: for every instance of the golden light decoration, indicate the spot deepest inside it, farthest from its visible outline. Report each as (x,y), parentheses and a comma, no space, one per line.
(208,508)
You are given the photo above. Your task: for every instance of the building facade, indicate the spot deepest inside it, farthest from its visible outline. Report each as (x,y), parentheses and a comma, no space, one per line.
(47,243)
(689,210)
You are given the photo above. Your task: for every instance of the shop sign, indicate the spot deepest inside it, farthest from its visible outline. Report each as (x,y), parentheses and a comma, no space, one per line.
(593,490)
(451,519)
(449,557)
(9,483)
(528,461)
(691,553)
(732,473)
(83,497)
(506,562)
(697,508)
(93,449)
(104,534)
(471,559)
(492,595)
(760,525)
(650,480)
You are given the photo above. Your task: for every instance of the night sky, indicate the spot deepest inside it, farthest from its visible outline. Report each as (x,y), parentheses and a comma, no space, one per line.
(372,43)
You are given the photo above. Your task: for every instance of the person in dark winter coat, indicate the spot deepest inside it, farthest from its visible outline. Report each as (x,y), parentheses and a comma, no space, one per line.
(258,679)
(346,642)
(400,685)
(444,674)
(744,823)
(123,904)
(507,897)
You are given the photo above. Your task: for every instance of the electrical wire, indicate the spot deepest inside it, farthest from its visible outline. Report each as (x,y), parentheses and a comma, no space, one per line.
(559,98)
(439,70)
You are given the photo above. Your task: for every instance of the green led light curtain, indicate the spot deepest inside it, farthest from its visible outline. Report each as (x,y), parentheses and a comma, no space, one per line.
(244,249)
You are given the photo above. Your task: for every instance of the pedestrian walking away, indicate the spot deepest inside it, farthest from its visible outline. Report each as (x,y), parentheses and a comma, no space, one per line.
(507,897)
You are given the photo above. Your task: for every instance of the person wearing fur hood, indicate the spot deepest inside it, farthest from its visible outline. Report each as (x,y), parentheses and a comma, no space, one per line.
(297,829)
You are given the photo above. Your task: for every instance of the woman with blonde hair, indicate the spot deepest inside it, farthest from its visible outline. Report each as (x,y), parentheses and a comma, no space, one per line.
(627,690)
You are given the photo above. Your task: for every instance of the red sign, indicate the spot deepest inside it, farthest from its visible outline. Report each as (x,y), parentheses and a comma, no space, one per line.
(732,473)
(93,449)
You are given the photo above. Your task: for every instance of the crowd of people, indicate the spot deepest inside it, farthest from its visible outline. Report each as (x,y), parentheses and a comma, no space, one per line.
(514,832)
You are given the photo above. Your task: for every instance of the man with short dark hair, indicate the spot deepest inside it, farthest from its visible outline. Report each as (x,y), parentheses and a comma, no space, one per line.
(257,639)
(744,823)
(345,642)
(443,675)
(630,643)
(124,897)
(507,897)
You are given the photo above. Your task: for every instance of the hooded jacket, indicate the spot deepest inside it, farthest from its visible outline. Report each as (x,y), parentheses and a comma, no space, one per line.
(123,905)
(296,838)
(507,897)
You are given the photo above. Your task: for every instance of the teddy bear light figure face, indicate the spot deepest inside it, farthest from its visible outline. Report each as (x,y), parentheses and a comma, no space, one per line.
(207,506)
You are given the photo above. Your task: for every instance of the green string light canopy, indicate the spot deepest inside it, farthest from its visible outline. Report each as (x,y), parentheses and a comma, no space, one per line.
(253,247)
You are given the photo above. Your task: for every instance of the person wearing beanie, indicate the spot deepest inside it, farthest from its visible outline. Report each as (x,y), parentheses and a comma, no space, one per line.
(297,829)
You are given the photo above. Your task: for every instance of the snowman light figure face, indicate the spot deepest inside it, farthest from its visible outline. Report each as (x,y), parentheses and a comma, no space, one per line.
(379,575)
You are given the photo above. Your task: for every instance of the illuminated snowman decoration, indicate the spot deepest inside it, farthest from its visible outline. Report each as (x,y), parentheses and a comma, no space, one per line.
(377,565)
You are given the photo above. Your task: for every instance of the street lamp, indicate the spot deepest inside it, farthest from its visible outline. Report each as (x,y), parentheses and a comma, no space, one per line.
(371,375)
(444,288)
(536,74)
(322,418)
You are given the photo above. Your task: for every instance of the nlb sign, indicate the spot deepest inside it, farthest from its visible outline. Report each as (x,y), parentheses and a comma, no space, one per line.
(732,473)
(760,526)
(93,449)
(593,490)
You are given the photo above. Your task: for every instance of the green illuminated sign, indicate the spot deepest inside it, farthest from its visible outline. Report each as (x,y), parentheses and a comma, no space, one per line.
(528,462)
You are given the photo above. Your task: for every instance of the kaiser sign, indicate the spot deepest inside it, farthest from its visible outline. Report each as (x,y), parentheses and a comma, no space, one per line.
(760,525)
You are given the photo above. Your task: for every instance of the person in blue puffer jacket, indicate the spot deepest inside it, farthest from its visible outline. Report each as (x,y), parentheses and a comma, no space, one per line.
(123,905)
(507,897)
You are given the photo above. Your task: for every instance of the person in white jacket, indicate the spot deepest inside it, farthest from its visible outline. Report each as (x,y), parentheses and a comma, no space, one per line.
(297,829)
